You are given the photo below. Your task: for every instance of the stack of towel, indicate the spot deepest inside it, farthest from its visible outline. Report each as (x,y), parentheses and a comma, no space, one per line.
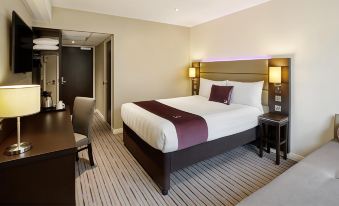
(45,44)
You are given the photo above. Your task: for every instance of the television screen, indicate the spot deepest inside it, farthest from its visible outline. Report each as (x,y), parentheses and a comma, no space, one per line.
(22,45)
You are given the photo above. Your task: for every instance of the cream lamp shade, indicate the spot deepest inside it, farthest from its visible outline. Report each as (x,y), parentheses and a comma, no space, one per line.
(19,100)
(275,75)
(192,72)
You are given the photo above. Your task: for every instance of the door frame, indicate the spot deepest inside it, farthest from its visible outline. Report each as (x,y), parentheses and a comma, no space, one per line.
(57,74)
(93,68)
(105,78)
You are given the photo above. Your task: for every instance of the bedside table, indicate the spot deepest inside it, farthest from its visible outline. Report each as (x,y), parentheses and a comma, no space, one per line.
(279,123)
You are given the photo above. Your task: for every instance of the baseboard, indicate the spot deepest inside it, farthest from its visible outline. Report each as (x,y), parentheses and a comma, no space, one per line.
(99,113)
(117,131)
(292,156)
(295,157)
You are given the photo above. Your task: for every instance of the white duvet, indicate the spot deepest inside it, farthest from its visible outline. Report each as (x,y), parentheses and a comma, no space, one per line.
(222,120)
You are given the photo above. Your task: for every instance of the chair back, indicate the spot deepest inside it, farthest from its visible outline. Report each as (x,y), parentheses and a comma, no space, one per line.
(336,127)
(82,118)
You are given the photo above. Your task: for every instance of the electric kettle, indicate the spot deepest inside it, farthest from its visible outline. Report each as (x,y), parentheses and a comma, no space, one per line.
(46,100)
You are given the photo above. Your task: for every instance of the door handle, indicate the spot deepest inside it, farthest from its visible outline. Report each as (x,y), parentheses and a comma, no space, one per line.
(104,83)
(63,81)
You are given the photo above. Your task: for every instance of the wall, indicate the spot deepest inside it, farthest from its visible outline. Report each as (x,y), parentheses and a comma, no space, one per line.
(99,78)
(6,8)
(150,59)
(307,31)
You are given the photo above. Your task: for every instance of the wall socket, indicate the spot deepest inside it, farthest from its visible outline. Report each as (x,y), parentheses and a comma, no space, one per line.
(277,98)
(277,108)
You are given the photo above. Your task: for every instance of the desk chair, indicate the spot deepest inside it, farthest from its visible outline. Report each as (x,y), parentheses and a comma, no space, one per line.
(82,119)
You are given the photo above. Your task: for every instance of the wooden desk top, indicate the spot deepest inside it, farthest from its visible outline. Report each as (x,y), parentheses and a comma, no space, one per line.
(49,133)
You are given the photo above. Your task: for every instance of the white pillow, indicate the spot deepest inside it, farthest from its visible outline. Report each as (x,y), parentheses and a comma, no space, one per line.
(206,86)
(45,47)
(247,93)
(46,41)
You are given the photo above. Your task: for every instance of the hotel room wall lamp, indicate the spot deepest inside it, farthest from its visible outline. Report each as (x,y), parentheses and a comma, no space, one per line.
(275,78)
(192,73)
(18,101)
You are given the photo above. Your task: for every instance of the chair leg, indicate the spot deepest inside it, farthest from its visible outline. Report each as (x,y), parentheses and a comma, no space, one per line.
(90,154)
(77,157)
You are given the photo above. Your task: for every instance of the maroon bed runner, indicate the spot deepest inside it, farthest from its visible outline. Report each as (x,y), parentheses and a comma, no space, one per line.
(191,129)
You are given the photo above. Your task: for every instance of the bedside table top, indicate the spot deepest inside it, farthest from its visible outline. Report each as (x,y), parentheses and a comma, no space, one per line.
(274,117)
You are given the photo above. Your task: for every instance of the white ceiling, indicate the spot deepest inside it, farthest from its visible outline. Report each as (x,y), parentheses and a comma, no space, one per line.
(83,38)
(190,12)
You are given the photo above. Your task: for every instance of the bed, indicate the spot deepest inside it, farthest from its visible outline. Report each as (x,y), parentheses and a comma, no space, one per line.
(149,137)
(222,120)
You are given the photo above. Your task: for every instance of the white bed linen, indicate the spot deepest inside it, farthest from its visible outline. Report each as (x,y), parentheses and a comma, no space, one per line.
(222,120)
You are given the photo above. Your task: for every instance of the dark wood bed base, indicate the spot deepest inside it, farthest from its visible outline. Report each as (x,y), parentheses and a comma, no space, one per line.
(159,165)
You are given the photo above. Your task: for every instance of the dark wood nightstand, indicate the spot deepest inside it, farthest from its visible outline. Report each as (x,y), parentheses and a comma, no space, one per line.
(269,123)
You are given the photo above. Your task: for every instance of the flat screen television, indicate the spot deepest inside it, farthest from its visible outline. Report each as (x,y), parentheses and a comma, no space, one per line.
(22,45)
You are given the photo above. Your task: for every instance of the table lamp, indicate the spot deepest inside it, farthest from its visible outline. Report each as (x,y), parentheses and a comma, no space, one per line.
(18,101)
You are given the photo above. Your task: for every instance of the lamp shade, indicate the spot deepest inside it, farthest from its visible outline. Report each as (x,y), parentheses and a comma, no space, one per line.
(192,72)
(275,75)
(19,100)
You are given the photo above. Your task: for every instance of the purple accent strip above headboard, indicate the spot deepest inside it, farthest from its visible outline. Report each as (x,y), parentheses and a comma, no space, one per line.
(229,59)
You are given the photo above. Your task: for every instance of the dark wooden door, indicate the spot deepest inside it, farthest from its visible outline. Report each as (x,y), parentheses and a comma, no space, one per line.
(76,75)
(108,81)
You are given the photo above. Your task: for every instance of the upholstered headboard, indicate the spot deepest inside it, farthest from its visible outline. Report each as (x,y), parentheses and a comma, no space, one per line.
(250,71)
(245,71)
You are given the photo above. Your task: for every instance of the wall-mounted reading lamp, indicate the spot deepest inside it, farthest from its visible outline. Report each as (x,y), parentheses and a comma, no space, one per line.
(192,73)
(275,78)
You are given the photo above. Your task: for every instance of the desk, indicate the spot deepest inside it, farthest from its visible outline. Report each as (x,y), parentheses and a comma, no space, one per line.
(45,174)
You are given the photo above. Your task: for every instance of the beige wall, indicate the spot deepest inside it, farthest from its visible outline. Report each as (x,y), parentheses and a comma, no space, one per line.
(99,78)
(6,8)
(307,31)
(150,59)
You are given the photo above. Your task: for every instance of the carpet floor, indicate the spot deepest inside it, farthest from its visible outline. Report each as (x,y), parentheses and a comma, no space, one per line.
(118,179)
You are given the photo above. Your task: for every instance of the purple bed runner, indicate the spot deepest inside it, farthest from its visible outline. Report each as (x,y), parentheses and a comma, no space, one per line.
(191,129)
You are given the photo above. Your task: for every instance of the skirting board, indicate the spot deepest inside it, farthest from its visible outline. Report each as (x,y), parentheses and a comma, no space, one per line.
(99,113)
(117,131)
(291,156)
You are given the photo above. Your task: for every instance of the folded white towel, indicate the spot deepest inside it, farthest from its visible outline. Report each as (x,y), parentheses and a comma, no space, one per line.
(45,47)
(46,41)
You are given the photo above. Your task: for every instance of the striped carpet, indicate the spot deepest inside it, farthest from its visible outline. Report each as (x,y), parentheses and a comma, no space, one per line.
(117,178)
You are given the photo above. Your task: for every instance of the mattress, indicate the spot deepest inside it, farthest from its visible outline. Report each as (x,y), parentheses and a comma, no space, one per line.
(222,120)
